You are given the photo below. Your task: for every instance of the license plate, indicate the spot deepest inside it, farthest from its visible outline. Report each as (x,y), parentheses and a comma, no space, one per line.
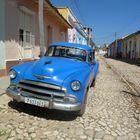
(34,102)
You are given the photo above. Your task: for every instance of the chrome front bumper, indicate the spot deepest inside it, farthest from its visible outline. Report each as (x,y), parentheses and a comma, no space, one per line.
(51,104)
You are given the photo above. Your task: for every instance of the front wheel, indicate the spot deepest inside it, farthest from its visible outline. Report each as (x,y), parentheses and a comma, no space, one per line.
(83,108)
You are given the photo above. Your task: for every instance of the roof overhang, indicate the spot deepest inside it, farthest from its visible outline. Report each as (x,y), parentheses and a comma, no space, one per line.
(53,12)
(131,35)
(75,23)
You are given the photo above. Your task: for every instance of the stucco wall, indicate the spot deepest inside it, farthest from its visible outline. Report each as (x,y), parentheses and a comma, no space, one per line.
(2,55)
(124,49)
(75,34)
(11,20)
(13,50)
(59,32)
(72,35)
(132,50)
(138,45)
(2,34)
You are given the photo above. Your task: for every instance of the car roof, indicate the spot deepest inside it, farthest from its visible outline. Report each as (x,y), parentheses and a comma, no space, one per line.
(72,45)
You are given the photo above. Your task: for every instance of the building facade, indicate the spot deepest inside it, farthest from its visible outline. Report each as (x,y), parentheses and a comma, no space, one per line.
(77,34)
(20,32)
(119,48)
(114,50)
(131,46)
(111,51)
(127,47)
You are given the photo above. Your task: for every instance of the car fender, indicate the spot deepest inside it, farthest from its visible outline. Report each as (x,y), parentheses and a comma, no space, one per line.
(20,70)
(83,77)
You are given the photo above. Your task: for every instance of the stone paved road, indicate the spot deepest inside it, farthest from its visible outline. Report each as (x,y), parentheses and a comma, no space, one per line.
(111,114)
(4,82)
(131,72)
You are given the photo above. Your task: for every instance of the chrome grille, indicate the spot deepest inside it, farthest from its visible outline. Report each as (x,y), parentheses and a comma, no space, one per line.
(41,90)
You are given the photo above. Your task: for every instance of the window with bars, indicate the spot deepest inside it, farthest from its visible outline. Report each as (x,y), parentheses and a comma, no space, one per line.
(25,35)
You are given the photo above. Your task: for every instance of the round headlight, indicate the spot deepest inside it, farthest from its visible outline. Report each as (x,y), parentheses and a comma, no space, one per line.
(75,85)
(12,74)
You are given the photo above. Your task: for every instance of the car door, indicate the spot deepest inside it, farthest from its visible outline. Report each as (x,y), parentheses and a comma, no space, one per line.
(91,65)
(95,64)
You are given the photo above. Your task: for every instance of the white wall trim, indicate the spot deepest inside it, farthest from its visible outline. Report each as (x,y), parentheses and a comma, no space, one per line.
(11,59)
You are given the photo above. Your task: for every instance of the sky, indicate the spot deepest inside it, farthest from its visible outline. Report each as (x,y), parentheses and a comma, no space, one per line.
(105,17)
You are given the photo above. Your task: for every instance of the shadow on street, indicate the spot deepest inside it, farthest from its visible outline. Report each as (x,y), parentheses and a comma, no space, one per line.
(129,61)
(131,93)
(43,112)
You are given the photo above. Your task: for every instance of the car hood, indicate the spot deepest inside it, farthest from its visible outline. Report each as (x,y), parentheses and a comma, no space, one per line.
(53,70)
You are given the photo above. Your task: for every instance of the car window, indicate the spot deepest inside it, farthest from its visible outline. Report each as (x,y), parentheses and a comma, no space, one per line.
(90,57)
(68,52)
(50,51)
(93,55)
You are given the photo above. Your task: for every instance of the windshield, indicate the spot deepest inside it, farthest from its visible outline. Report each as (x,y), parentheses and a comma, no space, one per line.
(68,52)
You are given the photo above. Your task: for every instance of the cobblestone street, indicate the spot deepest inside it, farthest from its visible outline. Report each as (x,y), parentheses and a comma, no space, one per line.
(131,72)
(111,114)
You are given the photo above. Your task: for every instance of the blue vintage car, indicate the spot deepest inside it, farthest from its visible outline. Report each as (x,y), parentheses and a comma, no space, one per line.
(58,80)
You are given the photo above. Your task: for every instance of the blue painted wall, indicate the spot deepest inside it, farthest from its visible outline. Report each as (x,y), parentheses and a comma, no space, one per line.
(119,48)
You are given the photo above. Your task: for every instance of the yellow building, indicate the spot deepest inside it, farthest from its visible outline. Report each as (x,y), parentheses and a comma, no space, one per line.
(64,11)
(77,33)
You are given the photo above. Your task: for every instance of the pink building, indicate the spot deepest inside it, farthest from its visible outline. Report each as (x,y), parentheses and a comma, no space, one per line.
(22,36)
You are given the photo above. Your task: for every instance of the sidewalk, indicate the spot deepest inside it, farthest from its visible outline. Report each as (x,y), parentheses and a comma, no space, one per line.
(4,83)
(4,99)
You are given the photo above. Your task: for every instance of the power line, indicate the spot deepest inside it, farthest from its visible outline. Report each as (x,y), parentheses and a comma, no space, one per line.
(104,37)
(126,26)
(122,29)
(68,5)
(78,9)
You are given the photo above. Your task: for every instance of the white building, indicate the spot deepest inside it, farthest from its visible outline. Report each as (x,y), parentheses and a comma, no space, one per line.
(77,33)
